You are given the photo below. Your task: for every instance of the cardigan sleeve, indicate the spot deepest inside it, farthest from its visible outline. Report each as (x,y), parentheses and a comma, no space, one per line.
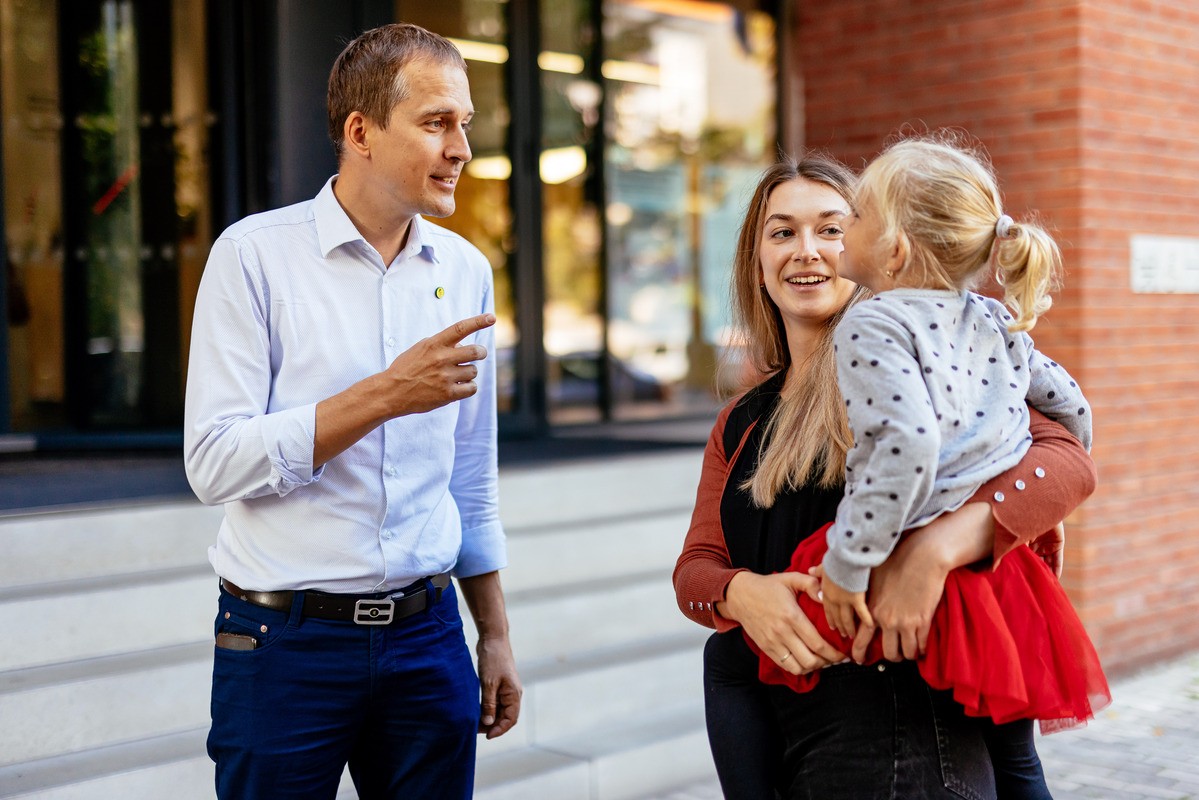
(1055,476)
(703,570)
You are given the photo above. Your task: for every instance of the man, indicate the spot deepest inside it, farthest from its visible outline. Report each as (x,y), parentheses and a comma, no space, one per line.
(341,405)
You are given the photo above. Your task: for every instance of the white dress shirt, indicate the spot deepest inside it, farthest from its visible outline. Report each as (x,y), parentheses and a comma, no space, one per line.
(294,307)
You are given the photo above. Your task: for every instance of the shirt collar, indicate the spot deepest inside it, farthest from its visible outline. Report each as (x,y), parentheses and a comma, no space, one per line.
(334,228)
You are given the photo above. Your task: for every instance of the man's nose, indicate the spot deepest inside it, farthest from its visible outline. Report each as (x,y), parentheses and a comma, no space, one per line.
(459,148)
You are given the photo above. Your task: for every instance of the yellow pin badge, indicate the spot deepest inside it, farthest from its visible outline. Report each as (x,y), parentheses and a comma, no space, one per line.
(439,292)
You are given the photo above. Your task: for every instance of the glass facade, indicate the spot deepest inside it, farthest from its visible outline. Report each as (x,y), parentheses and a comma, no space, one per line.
(106,209)
(615,143)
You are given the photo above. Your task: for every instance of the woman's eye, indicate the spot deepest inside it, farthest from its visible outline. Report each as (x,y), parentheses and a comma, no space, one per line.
(782,233)
(834,230)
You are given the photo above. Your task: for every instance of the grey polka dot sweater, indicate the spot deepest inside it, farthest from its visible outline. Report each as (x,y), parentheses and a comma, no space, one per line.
(935,388)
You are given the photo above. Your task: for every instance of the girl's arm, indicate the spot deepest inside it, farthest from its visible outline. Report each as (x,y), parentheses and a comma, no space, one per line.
(1057,475)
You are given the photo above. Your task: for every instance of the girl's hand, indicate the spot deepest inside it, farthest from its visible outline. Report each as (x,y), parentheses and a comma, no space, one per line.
(766,609)
(842,608)
(905,589)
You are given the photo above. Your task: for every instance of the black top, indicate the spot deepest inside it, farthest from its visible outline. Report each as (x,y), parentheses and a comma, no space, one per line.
(763,539)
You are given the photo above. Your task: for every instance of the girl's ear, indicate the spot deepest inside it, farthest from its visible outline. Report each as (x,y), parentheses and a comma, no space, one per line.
(897,258)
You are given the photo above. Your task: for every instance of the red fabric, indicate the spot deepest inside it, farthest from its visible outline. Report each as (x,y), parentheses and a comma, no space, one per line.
(1006,641)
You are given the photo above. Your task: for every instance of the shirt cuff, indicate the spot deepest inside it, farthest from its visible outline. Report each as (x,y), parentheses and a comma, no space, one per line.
(844,573)
(289,437)
(484,550)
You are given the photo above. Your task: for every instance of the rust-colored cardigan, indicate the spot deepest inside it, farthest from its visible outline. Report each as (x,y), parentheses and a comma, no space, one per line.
(1056,475)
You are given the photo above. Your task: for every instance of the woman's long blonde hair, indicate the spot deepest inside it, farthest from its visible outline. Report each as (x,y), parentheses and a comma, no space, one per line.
(808,435)
(938,199)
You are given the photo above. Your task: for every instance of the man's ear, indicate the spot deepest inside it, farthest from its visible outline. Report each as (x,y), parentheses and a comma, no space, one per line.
(355,134)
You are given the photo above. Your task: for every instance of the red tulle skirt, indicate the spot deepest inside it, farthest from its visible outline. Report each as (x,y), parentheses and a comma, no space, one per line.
(1006,642)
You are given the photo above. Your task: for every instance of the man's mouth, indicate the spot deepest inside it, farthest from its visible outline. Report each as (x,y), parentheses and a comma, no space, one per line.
(449,181)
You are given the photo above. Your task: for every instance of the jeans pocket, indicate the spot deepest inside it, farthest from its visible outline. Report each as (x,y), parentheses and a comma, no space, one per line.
(446,609)
(965,762)
(240,618)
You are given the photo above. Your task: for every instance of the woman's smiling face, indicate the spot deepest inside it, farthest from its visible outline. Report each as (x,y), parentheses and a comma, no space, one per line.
(799,248)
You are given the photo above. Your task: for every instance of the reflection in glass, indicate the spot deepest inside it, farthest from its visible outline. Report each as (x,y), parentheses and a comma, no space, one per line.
(482,216)
(690,122)
(33,254)
(110,148)
(572,232)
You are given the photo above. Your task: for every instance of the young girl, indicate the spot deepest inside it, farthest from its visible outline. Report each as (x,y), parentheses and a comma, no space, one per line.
(935,380)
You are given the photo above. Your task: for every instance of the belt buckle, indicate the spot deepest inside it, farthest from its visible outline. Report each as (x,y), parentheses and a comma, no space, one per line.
(374,612)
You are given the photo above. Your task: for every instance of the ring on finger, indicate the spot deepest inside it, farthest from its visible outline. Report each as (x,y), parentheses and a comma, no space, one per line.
(784,658)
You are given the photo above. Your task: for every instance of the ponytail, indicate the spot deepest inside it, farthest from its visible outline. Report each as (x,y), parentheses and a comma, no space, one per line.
(1028,266)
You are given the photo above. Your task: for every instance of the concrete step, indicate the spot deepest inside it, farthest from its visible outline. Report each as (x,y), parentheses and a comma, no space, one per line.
(556,623)
(607,687)
(173,765)
(655,749)
(63,622)
(602,546)
(111,541)
(558,496)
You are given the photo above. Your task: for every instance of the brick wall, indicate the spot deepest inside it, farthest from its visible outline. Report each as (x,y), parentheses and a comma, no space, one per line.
(1091,115)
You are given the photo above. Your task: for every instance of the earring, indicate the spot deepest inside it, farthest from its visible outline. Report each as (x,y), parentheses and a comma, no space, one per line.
(889,273)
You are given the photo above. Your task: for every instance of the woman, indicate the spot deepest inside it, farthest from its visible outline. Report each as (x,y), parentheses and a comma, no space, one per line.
(773,473)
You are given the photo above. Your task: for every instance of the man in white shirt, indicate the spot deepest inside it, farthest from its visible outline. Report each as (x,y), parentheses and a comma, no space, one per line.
(342,408)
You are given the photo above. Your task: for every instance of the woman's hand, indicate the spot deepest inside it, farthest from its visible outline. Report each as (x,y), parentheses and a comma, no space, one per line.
(765,607)
(905,589)
(1051,548)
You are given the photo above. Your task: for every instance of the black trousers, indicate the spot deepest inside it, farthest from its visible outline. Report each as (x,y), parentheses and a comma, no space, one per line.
(862,733)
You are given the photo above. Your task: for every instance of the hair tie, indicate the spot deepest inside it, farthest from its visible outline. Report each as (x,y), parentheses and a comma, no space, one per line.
(1003,227)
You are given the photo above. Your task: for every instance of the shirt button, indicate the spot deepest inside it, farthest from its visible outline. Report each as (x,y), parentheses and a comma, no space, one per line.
(391,472)
(391,341)
(882,667)
(1040,473)
(999,497)
(388,534)
(1020,486)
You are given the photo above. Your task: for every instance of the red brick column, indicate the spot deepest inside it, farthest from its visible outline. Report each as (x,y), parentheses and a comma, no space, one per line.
(1091,115)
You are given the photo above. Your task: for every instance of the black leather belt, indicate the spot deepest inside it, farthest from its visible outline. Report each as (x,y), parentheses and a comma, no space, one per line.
(370,609)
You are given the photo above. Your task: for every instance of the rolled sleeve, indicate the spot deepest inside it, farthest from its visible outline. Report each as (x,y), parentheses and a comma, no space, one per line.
(484,550)
(288,438)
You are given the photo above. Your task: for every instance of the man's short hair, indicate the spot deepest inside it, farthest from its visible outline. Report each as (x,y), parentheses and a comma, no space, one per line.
(368,76)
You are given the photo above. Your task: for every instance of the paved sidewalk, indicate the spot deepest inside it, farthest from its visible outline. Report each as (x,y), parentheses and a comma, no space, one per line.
(1145,746)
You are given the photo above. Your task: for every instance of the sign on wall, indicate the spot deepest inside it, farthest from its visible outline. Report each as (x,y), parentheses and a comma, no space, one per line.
(1164,264)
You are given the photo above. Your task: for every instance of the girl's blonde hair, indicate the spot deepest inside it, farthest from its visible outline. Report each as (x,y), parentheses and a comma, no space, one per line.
(808,435)
(939,203)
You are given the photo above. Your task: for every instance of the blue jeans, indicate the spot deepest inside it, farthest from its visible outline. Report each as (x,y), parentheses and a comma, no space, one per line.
(861,734)
(1018,772)
(399,703)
